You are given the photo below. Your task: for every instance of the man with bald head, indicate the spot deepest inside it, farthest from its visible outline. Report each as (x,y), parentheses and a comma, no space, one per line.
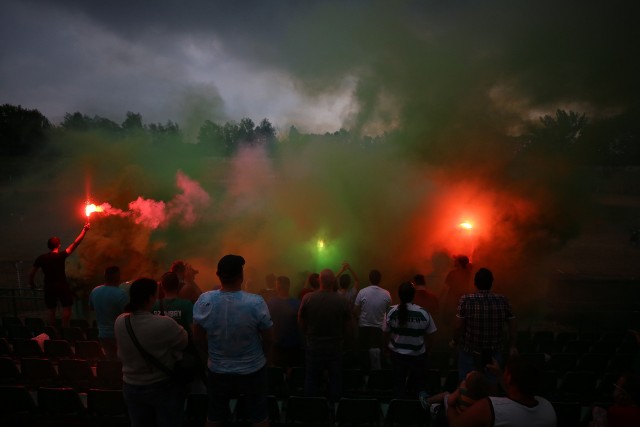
(324,317)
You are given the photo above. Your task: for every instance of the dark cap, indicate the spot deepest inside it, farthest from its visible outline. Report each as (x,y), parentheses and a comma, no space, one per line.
(230,266)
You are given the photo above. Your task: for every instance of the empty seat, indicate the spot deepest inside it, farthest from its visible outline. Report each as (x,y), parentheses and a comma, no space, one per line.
(18,331)
(107,407)
(568,414)
(380,383)
(35,324)
(10,320)
(578,386)
(26,348)
(406,412)
(561,362)
(241,415)
(75,373)
(296,380)
(595,362)
(358,412)
(577,346)
(61,406)
(17,406)
(109,374)
(38,372)
(58,349)
(352,382)
(9,373)
(308,411)
(79,323)
(5,348)
(73,334)
(89,350)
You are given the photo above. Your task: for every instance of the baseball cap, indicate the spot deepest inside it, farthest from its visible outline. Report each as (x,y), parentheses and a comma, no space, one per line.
(230,266)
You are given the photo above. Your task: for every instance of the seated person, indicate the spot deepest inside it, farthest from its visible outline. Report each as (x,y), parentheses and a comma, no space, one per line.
(474,387)
(625,410)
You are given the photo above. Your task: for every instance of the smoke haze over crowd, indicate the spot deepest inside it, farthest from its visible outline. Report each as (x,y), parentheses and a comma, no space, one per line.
(448,84)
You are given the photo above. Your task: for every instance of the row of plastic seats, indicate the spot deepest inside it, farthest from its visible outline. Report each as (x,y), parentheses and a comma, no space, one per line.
(53,349)
(596,362)
(76,373)
(62,406)
(316,411)
(574,342)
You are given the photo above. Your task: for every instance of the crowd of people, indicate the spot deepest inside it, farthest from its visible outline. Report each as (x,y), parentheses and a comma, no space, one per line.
(155,327)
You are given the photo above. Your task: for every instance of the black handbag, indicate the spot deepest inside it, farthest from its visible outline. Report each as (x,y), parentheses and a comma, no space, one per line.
(184,370)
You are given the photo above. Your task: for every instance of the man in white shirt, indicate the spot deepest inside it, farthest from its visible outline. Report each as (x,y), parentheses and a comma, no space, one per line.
(371,305)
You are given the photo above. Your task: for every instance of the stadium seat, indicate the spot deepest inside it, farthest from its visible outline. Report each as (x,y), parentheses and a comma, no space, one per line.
(406,413)
(358,412)
(308,411)
(58,349)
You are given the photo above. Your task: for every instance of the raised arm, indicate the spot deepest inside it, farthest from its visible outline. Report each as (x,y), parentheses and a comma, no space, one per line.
(72,247)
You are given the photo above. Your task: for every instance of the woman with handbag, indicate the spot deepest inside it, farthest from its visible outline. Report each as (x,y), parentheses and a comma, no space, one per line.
(148,347)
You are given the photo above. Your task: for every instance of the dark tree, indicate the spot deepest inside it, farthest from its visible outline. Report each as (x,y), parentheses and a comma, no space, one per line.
(265,133)
(168,133)
(133,122)
(21,130)
(246,131)
(81,122)
(211,138)
(558,134)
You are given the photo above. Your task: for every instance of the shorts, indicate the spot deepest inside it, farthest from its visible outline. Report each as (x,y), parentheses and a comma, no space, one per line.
(55,292)
(223,387)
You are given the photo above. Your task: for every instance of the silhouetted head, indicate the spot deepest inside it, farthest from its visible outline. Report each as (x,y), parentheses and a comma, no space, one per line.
(406,292)
(230,269)
(53,243)
(283,284)
(327,279)
(142,290)
(418,280)
(270,281)
(375,277)
(483,279)
(170,282)
(345,281)
(461,261)
(313,281)
(179,268)
(477,385)
(112,274)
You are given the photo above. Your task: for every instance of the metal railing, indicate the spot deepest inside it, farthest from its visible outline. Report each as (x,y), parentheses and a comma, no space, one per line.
(21,302)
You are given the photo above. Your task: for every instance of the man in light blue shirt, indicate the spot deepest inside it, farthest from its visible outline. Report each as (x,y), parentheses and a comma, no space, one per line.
(108,301)
(235,327)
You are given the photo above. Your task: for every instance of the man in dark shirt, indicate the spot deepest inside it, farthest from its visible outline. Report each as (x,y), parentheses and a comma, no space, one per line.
(285,351)
(324,317)
(480,322)
(56,286)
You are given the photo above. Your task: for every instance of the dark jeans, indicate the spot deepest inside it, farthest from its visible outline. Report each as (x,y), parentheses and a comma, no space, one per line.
(316,364)
(409,375)
(369,337)
(160,404)
(468,362)
(223,387)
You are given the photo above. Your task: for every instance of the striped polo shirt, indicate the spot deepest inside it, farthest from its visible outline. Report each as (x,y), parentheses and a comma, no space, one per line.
(408,339)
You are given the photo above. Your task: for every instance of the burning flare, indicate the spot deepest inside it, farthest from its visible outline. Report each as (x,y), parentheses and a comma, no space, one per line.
(91,208)
(466,225)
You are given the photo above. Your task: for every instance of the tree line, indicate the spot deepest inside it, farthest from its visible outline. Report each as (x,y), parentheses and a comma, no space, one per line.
(608,141)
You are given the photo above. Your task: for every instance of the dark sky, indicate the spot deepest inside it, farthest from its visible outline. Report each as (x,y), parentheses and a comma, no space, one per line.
(320,65)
